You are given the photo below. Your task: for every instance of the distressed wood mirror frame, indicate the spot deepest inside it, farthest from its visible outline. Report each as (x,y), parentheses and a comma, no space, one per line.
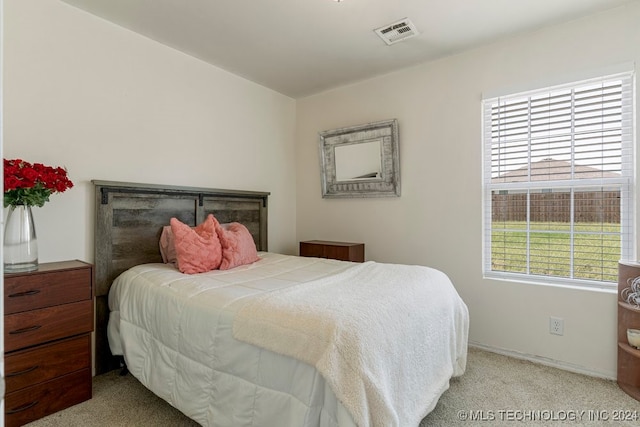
(360,161)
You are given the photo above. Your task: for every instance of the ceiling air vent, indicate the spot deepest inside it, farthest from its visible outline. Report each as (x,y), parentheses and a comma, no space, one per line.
(398,31)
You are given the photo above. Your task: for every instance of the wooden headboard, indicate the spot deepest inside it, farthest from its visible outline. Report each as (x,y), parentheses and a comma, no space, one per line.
(129,221)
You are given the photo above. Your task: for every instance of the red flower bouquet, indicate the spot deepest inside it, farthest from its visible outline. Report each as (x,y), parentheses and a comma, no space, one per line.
(32,184)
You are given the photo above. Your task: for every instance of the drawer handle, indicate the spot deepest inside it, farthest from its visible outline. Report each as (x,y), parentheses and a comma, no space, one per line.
(25,293)
(24,371)
(27,329)
(22,408)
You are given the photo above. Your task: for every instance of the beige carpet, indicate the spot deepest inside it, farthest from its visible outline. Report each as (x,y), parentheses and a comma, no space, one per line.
(495,391)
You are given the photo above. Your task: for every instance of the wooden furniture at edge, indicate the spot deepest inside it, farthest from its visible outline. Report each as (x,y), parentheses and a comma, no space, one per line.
(628,318)
(344,251)
(48,320)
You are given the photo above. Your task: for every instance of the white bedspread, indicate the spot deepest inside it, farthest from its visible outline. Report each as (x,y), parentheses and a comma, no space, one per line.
(175,332)
(386,337)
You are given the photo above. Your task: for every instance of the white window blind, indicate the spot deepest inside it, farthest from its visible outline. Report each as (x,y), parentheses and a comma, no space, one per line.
(558,179)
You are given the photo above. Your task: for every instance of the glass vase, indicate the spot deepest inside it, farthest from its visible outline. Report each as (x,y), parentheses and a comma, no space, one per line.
(20,241)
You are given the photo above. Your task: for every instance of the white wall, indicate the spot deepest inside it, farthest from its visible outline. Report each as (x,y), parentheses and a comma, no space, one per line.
(438,219)
(112,105)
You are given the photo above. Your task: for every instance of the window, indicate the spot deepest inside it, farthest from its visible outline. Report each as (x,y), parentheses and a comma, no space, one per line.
(558,177)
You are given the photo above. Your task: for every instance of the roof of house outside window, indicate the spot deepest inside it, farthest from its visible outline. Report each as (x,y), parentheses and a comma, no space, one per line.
(553,170)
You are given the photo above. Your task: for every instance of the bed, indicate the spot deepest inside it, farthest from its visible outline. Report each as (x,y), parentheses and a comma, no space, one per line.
(283,341)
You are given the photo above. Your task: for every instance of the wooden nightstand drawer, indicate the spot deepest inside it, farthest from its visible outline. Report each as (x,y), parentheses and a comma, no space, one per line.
(46,324)
(28,367)
(46,288)
(343,251)
(48,320)
(35,402)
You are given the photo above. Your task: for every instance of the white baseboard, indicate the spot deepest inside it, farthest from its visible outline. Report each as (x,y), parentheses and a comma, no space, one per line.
(546,361)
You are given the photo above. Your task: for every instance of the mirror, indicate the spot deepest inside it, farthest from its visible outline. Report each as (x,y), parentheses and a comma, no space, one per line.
(360,161)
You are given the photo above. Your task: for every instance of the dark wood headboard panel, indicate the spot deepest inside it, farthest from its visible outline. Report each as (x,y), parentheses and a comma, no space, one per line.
(129,220)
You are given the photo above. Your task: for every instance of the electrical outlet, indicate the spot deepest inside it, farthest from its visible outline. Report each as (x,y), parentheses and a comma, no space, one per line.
(556,326)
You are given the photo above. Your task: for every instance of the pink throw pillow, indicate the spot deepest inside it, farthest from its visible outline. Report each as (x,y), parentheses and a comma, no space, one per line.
(238,247)
(167,246)
(197,249)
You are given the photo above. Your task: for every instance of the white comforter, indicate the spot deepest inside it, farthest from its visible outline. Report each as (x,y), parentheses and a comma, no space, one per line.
(176,333)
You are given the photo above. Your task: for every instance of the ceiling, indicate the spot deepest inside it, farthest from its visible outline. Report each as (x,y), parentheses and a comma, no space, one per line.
(302,47)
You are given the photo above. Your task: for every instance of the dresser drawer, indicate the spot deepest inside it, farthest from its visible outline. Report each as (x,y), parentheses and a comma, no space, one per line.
(46,324)
(343,251)
(39,290)
(27,367)
(35,402)
(311,249)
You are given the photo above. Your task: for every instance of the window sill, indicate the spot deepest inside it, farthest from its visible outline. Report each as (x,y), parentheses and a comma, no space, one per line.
(556,282)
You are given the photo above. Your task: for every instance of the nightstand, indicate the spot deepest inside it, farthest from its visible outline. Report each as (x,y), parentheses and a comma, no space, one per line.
(48,320)
(343,251)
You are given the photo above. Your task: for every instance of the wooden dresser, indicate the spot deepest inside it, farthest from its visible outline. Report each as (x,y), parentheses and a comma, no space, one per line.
(48,320)
(628,318)
(344,251)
